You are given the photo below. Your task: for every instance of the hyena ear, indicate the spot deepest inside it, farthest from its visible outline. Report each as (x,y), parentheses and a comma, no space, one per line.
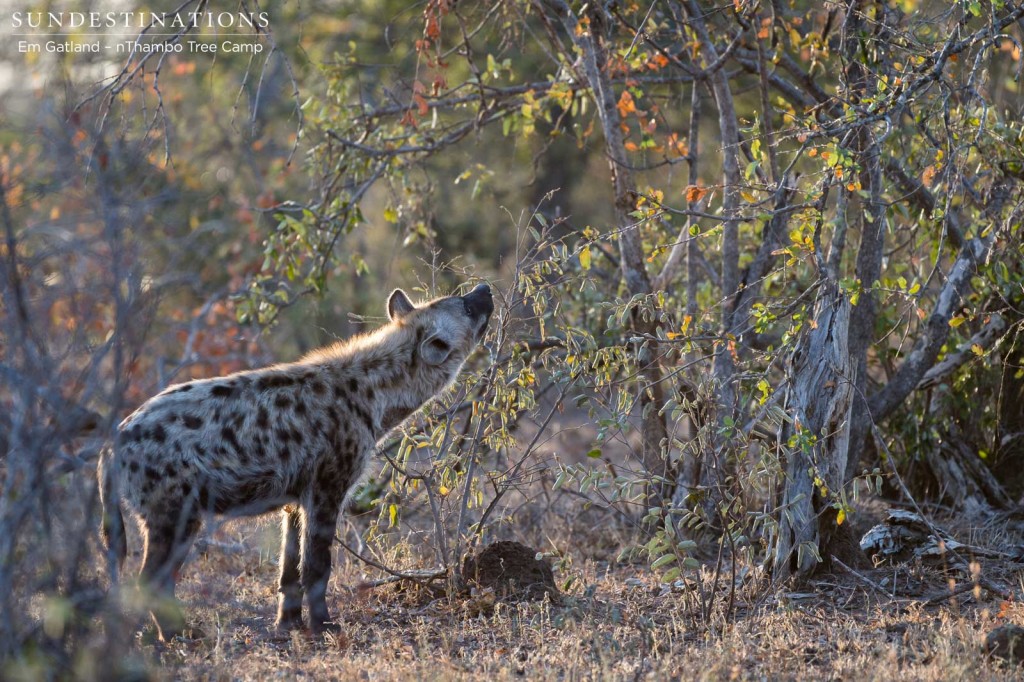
(399,305)
(434,350)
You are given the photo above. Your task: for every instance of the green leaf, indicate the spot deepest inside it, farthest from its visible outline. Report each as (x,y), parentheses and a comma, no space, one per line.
(664,560)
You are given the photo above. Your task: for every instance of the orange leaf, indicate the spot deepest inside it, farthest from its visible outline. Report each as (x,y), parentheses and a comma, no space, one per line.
(695,193)
(433,29)
(630,146)
(421,104)
(928,176)
(626,104)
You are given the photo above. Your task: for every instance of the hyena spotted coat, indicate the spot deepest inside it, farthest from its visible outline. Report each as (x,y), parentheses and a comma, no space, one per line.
(294,436)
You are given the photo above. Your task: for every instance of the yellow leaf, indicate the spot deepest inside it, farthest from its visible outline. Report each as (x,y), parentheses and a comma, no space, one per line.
(957,321)
(977,350)
(840,517)
(585,258)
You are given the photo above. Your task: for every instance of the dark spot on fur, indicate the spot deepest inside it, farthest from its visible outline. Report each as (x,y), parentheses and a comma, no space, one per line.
(134,466)
(339,391)
(223,391)
(282,401)
(318,387)
(183,388)
(363,415)
(186,488)
(262,418)
(284,454)
(228,434)
(152,474)
(173,419)
(369,393)
(168,470)
(297,436)
(283,435)
(274,381)
(158,434)
(238,419)
(200,450)
(353,385)
(300,407)
(131,435)
(191,421)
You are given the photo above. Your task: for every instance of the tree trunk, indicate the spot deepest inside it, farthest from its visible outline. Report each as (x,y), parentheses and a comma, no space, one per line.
(962,479)
(594,65)
(820,401)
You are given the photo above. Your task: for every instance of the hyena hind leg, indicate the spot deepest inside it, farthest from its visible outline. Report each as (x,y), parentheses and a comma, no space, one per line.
(168,540)
(289,606)
(318,535)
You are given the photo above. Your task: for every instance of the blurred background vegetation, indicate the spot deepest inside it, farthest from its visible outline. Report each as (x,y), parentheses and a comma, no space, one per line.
(671,198)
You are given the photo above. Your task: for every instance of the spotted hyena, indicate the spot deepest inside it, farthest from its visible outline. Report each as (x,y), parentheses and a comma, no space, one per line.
(296,437)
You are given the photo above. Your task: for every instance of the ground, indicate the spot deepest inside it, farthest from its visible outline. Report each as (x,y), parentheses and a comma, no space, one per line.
(613,621)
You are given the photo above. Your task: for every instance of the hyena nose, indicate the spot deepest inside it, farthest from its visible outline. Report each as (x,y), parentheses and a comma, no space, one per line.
(479,301)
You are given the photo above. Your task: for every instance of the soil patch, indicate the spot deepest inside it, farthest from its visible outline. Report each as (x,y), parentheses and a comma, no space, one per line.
(513,570)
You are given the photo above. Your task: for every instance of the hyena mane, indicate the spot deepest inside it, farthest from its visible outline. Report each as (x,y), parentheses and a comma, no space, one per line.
(295,437)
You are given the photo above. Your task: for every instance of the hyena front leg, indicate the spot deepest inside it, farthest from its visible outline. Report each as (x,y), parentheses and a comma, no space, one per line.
(289,608)
(318,536)
(168,539)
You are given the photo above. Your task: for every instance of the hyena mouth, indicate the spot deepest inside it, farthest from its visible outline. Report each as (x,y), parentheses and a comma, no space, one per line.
(479,306)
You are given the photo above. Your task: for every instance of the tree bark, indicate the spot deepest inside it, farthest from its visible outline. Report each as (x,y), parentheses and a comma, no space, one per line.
(820,402)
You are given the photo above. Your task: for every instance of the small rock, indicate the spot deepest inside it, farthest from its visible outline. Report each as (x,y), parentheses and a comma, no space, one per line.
(1006,642)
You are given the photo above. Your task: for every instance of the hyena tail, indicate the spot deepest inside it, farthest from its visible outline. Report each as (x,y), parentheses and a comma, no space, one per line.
(112,528)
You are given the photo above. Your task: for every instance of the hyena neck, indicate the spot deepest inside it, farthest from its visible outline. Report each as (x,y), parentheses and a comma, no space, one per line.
(388,380)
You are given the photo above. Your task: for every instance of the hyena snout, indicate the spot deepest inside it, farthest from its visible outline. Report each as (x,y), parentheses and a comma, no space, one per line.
(479,306)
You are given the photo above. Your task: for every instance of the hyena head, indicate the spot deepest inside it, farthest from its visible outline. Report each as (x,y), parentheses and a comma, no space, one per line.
(446,329)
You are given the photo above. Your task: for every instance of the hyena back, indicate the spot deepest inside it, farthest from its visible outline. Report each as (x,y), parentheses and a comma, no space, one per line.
(295,436)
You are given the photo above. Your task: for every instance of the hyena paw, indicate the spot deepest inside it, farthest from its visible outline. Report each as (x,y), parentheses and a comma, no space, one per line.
(287,622)
(325,628)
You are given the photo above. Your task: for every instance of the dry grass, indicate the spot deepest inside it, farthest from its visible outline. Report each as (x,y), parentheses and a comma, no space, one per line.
(616,622)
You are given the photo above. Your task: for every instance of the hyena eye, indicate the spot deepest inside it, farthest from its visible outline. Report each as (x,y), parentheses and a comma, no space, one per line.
(440,345)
